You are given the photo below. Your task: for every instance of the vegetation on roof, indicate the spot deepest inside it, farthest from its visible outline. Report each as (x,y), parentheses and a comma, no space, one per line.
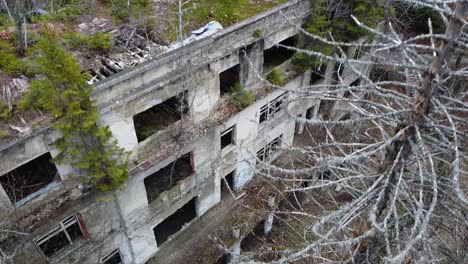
(64,93)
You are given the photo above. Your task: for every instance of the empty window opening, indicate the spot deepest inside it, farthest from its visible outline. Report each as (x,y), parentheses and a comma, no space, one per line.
(253,238)
(160,116)
(224,259)
(175,222)
(65,233)
(310,112)
(270,109)
(276,55)
(227,137)
(29,178)
(267,153)
(227,183)
(167,177)
(228,78)
(113,258)
(318,74)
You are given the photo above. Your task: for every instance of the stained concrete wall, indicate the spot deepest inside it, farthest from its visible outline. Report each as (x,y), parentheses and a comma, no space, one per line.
(126,220)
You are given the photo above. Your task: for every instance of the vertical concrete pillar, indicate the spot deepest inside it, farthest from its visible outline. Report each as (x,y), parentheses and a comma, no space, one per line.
(268,224)
(235,252)
(300,125)
(251,64)
(6,205)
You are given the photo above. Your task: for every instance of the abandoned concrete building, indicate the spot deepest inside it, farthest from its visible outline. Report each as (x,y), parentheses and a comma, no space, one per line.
(187,148)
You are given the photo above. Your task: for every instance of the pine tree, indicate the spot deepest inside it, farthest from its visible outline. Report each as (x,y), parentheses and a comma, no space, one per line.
(64,93)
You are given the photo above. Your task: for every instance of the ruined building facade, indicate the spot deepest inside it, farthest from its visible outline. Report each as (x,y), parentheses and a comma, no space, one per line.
(195,141)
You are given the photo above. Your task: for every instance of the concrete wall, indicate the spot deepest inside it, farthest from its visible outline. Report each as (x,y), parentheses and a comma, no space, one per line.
(125,220)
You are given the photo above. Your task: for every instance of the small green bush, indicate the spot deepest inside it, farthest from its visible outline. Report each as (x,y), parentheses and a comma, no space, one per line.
(121,11)
(4,111)
(274,77)
(100,42)
(257,33)
(3,134)
(12,65)
(240,96)
(75,40)
(302,61)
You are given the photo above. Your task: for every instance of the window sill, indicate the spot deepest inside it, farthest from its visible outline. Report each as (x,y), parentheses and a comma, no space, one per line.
(38,193)
(228,149)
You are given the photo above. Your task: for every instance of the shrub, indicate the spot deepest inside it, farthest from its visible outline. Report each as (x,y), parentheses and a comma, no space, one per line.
(63,92)
(100,42)
(3,134)
(75,40)
(12,65)
(275,78)
(257,33)
(302,61)
(121,11)
(4,111)
(240,96)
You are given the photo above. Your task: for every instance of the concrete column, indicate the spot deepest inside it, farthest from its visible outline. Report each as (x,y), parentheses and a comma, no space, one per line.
(6,205)
(268,224)
(300,125)
(124,131)
(235,251)
(251,64)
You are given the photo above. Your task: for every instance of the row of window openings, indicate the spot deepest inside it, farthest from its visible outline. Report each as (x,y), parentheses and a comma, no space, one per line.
(35,175)
(272,58)
(168,177)
(71,230)
(40,172)
(158,117)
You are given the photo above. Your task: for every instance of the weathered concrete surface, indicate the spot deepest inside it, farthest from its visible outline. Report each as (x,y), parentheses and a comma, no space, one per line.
(125,219)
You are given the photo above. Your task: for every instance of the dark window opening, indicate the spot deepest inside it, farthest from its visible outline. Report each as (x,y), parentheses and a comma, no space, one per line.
(276,55)
(325,108)
(175,222)
(224,259)
(167,177)
(347,93)
(229,78)
(62,235)
(253,238)
(113,258)
(310,112)
(29,178)
(227,137)
(318,74)
(227,183)
(160,116)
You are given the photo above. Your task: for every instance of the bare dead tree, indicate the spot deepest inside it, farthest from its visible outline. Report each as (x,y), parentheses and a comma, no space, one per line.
(398,155)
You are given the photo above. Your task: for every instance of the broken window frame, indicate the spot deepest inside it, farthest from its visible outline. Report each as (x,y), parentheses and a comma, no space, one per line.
(231,130)
(111,255)
(57,229)
(268,152)
(271,108)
